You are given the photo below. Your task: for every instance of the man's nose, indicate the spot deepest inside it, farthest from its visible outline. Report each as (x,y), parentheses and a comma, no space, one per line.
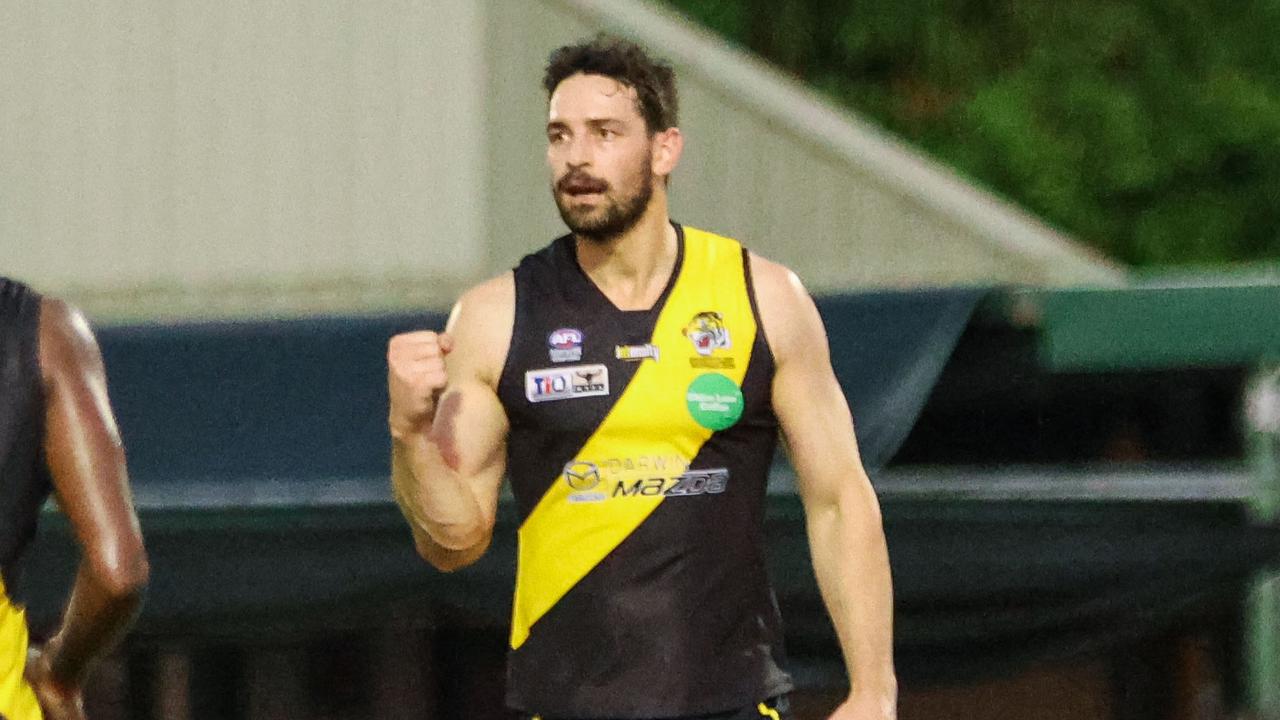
(579,151)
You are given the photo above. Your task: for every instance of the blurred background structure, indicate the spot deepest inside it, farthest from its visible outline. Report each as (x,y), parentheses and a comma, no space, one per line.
(250,198)
(187,160)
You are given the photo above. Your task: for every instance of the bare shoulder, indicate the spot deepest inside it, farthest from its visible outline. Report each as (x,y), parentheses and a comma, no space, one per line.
(787,311)
(481,325)
(496,293)
(67,343)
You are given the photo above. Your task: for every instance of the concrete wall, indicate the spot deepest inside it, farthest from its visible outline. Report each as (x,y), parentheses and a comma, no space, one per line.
(189,157)
(176,158)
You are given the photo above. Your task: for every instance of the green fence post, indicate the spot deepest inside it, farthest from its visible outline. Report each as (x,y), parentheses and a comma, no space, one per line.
(1262,423)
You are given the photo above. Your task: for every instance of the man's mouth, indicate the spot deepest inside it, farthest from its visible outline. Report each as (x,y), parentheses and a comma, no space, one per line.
(583,186)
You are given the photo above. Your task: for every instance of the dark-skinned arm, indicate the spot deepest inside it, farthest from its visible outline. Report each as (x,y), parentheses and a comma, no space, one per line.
(87,465)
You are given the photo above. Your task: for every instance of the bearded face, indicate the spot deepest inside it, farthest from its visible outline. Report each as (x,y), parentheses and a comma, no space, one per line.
(597,210)
(601,156)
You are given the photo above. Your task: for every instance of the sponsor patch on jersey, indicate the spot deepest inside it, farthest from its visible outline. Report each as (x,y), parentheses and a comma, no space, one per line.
(707,332)
(636,352)
(591,482)
(583,477)
(715,401)
(565,383)
(712,481)
(565,345)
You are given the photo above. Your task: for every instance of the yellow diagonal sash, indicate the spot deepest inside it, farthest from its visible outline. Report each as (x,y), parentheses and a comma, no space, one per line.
(560,541)
(17,701)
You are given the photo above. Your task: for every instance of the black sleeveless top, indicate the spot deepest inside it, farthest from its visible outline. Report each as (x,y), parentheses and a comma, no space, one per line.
(24,477)
(638,454)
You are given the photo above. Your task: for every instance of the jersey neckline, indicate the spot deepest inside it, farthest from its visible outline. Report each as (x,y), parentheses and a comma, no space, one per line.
(568,248)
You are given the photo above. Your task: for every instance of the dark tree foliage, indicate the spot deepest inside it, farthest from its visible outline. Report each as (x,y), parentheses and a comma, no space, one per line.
(1147,128)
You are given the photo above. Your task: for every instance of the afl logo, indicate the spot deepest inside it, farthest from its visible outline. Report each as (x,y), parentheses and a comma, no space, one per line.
(565,345)
(565,338)
(581,475)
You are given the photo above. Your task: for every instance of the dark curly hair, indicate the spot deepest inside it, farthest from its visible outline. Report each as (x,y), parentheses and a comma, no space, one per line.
(653,80)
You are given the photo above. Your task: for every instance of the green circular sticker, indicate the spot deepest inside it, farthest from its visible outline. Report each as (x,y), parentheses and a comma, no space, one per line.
(715,401)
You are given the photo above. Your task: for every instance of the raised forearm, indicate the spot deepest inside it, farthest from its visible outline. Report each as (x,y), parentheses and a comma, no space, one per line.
(851,564)
(441,507)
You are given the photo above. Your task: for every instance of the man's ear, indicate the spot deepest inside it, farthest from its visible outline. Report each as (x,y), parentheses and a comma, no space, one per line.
(667,147)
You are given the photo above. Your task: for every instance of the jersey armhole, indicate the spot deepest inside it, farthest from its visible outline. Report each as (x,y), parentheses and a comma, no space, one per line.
(517,323)
(755,307)
(35,343)
(30,311)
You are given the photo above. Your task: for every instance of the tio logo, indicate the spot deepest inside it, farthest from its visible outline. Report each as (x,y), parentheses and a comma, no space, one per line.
(550,384)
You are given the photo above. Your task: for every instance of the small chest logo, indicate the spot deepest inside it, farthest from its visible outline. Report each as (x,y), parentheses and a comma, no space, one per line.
(565,383)
(565,345)
(583,477)
(708,334)
(634,353)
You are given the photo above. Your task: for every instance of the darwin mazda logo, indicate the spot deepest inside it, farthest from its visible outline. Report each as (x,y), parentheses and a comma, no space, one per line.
(581,475)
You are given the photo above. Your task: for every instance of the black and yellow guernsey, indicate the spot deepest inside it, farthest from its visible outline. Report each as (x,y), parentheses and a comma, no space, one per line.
(639,448)
(24,480)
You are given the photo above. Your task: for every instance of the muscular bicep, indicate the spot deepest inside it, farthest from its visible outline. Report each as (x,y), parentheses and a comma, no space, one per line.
(811,408)
(82,445)
(470,427)
(469,432)
(816,424)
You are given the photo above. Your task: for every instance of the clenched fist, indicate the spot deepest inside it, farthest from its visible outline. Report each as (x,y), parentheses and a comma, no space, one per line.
(415,377)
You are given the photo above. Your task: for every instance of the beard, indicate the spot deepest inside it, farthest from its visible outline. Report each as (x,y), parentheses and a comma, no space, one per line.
(617,212)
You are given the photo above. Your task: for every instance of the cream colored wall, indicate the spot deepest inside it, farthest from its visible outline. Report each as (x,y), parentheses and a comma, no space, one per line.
(521,214)
(181,158)
(189,157)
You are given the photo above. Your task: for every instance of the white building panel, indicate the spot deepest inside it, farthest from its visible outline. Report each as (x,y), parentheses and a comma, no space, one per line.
(180,158)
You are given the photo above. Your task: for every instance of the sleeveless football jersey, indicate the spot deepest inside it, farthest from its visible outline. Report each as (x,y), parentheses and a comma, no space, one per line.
(638,454)
(24,479)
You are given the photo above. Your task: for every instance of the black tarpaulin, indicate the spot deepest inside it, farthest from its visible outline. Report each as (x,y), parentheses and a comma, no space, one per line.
(887,349)
(259,455)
